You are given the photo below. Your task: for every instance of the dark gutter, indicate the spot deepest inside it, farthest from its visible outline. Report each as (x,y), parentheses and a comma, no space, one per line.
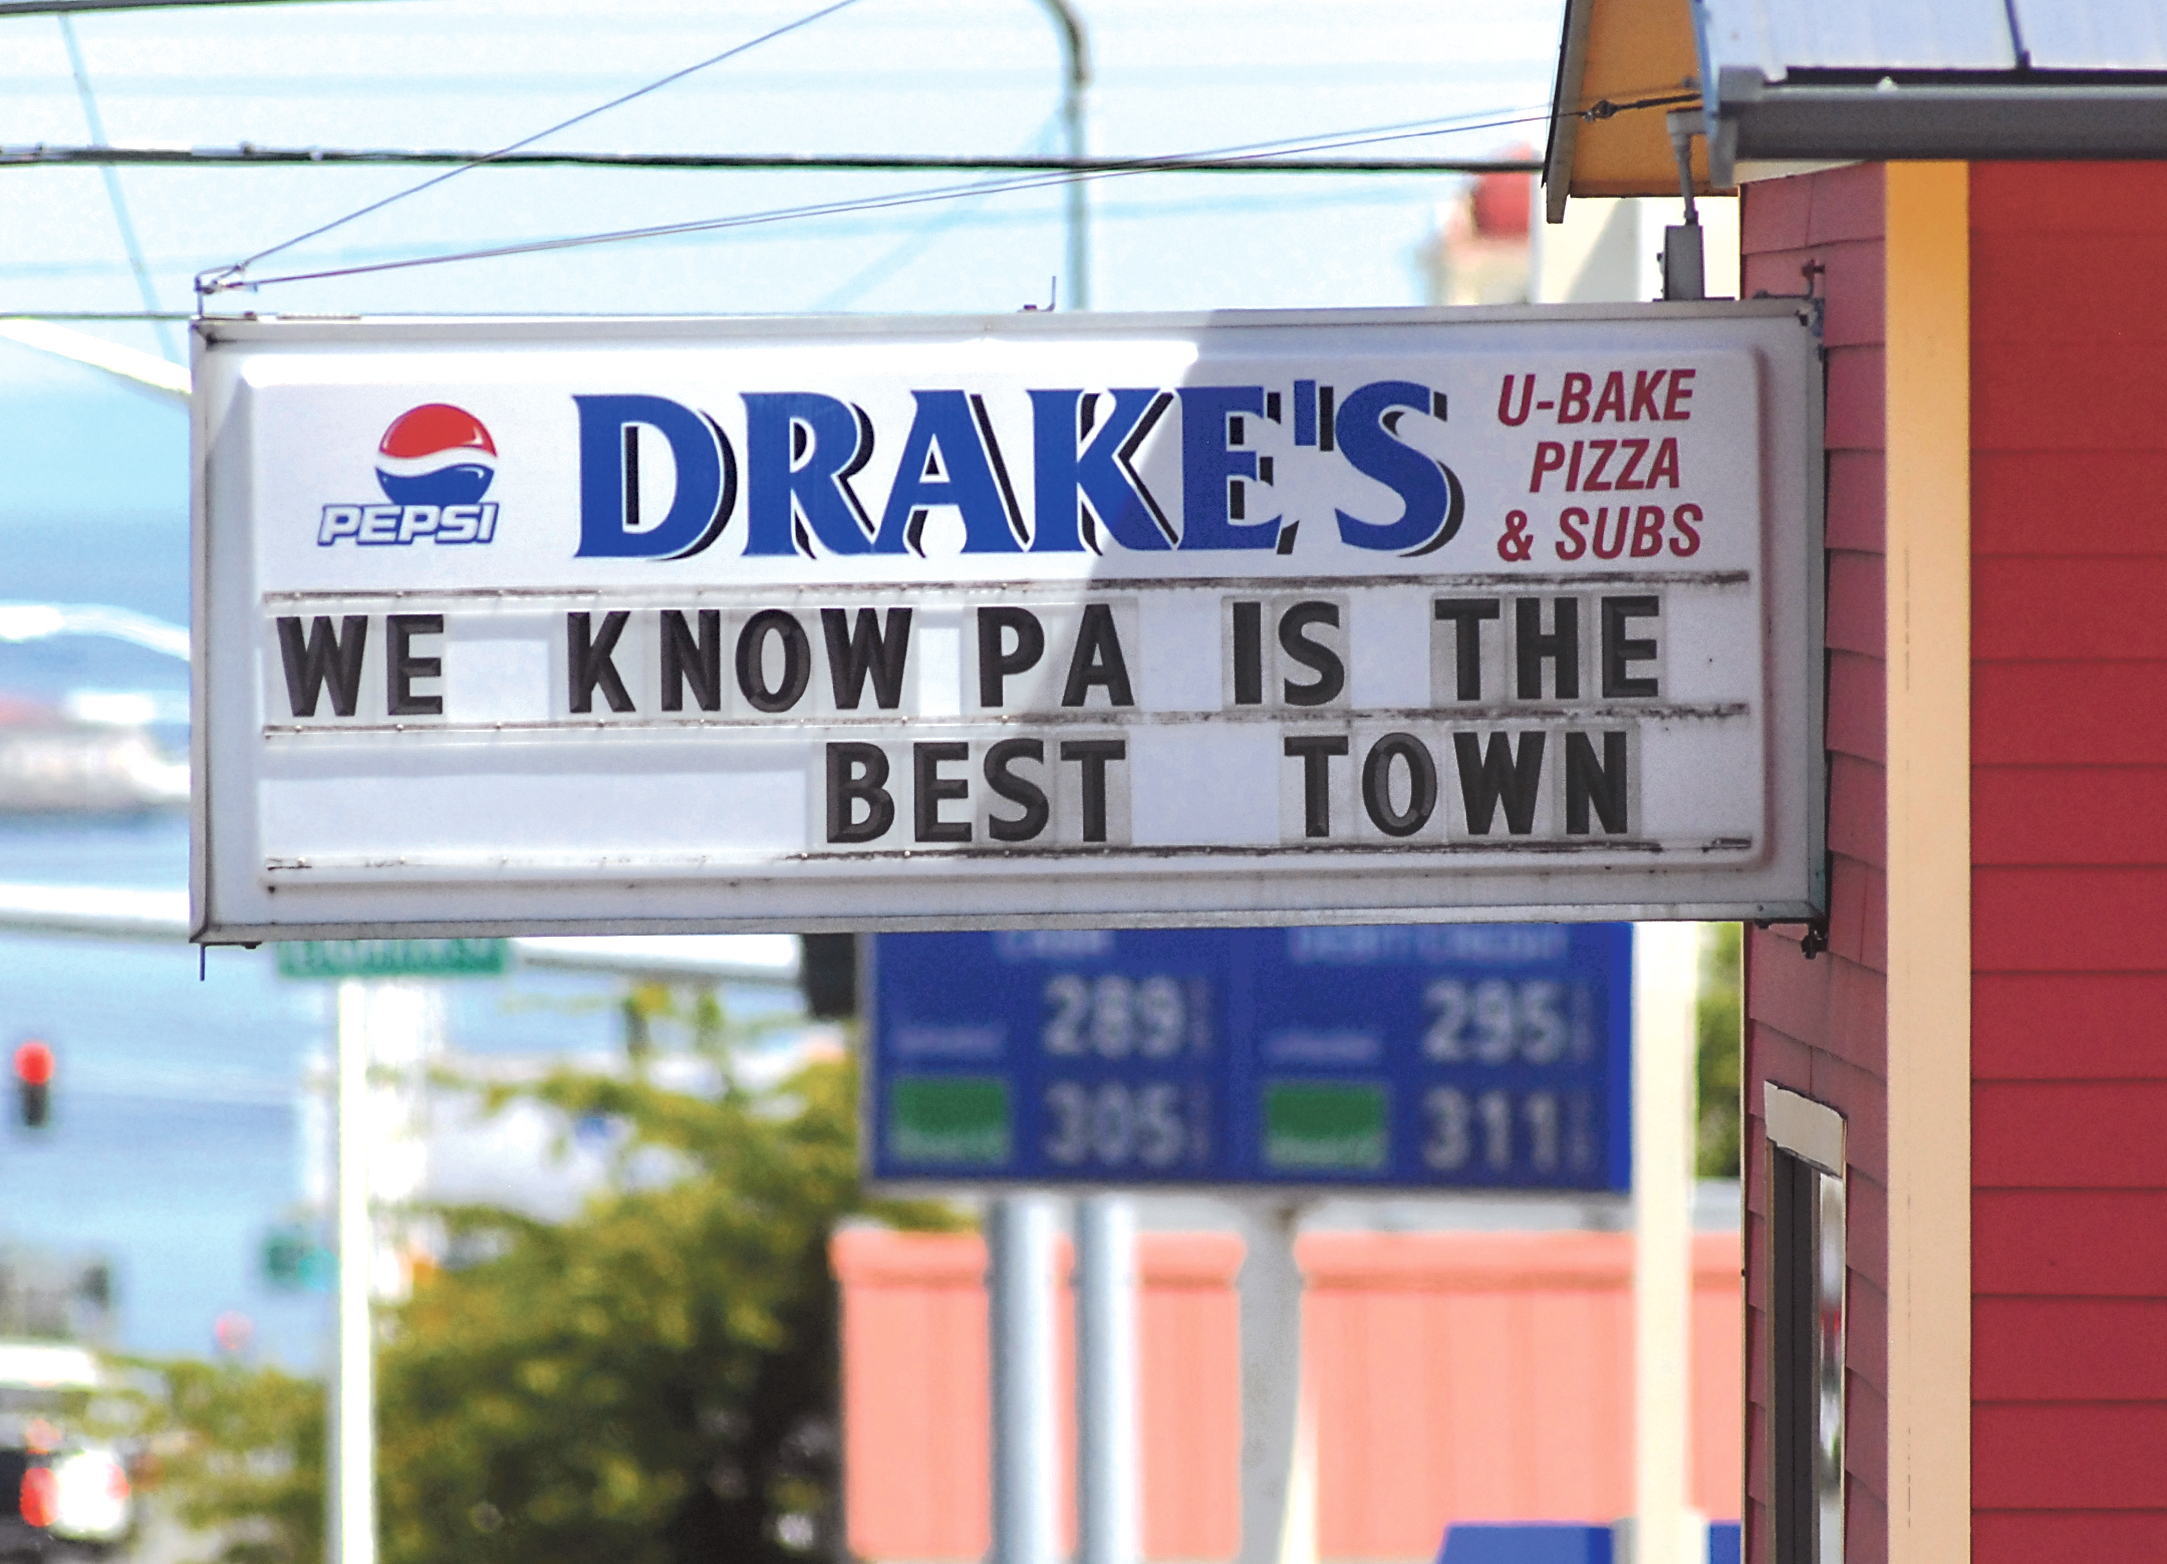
(2013,116)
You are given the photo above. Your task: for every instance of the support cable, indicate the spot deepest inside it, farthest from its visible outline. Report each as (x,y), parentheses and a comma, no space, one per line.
(241,266)
(214,283)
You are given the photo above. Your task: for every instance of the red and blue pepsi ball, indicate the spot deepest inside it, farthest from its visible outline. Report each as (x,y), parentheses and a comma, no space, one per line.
(436,454)
(435,463)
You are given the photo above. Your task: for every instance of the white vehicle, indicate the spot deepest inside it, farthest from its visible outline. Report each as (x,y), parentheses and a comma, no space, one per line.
(61,1496)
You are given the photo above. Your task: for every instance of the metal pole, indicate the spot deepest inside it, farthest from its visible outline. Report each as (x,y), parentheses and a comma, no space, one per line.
(1665,983)
(1019,1244)
(1279,1508)
(353,1490)
(1076,55)
(1108,1514)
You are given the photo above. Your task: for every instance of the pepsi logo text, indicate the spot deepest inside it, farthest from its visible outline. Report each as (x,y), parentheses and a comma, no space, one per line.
(434,464)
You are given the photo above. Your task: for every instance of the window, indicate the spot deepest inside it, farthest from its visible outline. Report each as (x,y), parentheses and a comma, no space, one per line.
(1806,1225)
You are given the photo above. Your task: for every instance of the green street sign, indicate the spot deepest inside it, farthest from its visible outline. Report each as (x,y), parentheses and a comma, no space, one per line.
(393,958)
(295,1261)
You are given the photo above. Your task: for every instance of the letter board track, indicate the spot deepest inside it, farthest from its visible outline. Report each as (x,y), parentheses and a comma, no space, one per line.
(1486,1057)
(1101,620)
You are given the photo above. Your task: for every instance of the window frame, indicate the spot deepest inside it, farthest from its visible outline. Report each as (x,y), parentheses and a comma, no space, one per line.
(1809,1272)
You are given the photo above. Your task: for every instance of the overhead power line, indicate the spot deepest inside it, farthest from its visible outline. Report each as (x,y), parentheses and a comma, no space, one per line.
(247,155)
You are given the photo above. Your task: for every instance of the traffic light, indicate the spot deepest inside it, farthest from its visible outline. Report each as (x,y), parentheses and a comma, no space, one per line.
(34,1083)
(828,975)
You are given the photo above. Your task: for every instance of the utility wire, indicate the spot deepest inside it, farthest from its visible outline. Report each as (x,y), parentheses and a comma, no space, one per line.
(96,124)
(1228,156)
(246,155)
(852,231)
(55,7)
(656,85)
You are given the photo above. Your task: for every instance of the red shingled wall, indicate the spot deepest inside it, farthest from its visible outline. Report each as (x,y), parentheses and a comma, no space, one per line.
(2069,849)
(1819,1027)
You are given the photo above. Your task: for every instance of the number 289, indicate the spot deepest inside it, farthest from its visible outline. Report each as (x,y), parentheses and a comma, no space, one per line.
(1114,1016)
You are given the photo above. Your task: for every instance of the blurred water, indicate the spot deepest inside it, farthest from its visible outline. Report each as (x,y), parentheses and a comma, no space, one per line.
(177,1137)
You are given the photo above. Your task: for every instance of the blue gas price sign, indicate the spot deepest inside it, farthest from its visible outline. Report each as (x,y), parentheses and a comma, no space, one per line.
(1492,1056)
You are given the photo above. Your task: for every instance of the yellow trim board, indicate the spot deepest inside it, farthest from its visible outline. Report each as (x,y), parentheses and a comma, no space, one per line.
(1929,868)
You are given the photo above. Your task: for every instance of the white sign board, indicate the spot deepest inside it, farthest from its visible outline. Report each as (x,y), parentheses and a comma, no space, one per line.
(620,625)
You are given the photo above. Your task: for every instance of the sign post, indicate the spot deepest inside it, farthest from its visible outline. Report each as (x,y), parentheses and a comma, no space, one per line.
(1279,1457)
(1268,1065)
(1020,1311)
(377,1017)
(1666,980)
(353,1487)
(1109,1499)
(1017,621)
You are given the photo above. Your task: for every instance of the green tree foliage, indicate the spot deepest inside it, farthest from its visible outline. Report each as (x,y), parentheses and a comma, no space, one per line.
(1720,1054)
(237,1456)
(651,1382)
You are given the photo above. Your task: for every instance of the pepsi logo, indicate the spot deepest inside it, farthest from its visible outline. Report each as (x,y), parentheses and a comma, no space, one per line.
(435,463)
(436,454)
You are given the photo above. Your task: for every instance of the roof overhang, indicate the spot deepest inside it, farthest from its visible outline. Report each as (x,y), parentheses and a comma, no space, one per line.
(1812,116)
(1802,81)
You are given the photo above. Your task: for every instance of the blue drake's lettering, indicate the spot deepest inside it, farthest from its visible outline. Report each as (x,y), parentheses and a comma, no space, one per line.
(951,458)
(434,464)
(1085,480)
(1216,464)
(801,451)
(806,453)
(1431,499)
(612,522)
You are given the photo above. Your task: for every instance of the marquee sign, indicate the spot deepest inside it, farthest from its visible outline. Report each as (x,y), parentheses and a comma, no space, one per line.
(645,625)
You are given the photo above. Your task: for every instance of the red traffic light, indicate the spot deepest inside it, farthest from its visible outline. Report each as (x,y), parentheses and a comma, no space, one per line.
(34,1063)
(34,1084)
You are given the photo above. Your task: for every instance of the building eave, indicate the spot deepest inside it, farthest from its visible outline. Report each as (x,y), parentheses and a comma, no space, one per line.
(1760,121)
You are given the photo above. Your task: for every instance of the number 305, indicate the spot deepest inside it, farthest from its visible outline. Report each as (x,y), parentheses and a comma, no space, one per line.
(1115,1124)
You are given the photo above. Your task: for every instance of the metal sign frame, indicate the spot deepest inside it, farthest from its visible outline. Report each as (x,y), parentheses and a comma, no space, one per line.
(293,864)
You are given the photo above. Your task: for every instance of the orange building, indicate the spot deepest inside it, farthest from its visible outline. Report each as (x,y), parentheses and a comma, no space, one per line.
(1457,1376)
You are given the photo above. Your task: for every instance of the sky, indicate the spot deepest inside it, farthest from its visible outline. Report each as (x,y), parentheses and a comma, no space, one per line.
(930,76)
